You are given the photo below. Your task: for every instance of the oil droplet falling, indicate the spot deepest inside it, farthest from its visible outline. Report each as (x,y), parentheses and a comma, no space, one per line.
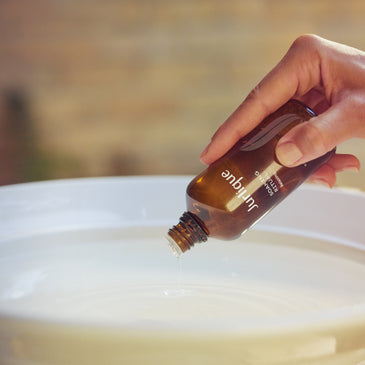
(179,291)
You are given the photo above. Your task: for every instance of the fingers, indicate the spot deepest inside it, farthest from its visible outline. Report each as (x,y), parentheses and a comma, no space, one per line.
(296,74)
(326,174)
(319,135)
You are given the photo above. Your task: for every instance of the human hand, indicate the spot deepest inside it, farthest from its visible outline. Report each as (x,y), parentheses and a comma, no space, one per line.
(328,77)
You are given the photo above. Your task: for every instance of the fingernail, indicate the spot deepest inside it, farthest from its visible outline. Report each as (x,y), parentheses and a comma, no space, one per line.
(351,168)
(321,182)
(288,153)
(204,152)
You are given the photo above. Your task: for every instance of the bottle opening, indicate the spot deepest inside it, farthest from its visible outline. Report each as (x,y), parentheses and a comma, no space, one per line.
(176,250)
(185,234)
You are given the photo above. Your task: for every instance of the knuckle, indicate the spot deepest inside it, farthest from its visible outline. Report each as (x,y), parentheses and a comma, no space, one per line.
(306,41)
(255,98)
(315,138)
(356,102)
(354,109)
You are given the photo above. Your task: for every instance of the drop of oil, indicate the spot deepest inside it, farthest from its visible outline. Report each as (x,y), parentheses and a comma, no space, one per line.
(179,290)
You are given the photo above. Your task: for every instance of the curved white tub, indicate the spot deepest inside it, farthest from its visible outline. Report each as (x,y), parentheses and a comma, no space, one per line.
(86,277)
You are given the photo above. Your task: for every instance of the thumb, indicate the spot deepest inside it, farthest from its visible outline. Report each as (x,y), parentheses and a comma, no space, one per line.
(319,135)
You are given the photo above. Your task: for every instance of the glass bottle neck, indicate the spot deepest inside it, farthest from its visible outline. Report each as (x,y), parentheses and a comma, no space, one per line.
(186,233)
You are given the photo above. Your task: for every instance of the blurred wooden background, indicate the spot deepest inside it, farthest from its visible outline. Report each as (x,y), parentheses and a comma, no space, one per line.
(107,87)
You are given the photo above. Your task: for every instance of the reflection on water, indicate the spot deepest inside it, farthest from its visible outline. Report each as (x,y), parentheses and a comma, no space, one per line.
(124,276)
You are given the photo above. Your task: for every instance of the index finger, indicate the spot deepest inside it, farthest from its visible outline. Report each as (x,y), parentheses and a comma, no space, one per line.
(295,75)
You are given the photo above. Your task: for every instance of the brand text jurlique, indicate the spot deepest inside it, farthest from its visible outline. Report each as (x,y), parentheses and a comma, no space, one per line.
(241,191)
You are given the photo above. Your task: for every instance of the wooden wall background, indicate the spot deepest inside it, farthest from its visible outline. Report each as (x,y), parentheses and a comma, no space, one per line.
(107,87)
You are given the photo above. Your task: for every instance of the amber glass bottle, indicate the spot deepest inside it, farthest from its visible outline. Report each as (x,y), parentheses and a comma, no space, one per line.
(237,190)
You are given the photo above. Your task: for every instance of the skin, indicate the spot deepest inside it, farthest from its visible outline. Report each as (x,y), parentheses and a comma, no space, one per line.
(328,77)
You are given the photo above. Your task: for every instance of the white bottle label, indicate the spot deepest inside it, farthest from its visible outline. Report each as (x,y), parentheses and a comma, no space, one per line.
(271,184)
